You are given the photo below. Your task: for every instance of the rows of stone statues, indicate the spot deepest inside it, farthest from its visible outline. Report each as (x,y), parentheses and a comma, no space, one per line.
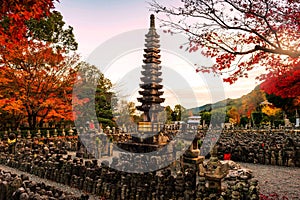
(263,147)
(49,161)
(270,148)
(14,187)
(277,147)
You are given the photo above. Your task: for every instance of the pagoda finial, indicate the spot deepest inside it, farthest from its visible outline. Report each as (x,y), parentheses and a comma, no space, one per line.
(152,21)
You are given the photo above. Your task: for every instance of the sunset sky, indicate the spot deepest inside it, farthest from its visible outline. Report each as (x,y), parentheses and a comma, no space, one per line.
(98,21)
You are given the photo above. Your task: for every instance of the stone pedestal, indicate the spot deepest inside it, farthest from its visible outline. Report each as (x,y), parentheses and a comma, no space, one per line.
(191,158)
(192,162)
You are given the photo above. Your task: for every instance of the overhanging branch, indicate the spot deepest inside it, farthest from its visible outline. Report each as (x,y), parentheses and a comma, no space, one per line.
(292,54)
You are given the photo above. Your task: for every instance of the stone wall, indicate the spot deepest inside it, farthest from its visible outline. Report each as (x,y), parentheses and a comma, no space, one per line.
(14,187)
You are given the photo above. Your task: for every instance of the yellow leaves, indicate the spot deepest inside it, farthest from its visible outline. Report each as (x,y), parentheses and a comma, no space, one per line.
(270,110)
(234,116)
(233,121)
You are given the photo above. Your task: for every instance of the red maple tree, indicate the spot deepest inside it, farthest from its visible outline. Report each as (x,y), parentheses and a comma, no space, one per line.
(36,77)
(242,35)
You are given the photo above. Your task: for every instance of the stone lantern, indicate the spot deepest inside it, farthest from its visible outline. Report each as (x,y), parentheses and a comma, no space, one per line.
(215,171)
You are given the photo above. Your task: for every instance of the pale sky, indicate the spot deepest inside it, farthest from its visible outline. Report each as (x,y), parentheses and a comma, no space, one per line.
(98,23)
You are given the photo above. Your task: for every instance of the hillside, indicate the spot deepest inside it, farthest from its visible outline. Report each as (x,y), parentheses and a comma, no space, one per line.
(245,104)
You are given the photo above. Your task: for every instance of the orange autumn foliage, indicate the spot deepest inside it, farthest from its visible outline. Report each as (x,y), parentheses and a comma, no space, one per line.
(37,81)
(13,17)
(36,77)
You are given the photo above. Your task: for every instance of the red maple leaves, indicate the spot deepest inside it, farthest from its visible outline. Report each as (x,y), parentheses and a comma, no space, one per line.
(241,35)
(284,82)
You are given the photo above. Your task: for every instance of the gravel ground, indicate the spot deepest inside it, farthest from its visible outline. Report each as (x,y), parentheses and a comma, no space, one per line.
(285,181)
(63,187)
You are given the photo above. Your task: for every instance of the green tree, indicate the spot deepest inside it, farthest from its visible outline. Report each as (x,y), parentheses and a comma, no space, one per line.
(92,83)
(244,121)
(125,115)
(169,112)
(52,29)
(219,116)
(205,117)
(179,113)
(257,118)
(103,106)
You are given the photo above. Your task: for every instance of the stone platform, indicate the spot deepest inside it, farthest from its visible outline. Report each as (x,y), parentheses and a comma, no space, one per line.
(139,147)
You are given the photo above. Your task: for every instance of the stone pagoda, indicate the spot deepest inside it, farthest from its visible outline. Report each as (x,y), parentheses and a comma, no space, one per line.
(148,137)
(150,86)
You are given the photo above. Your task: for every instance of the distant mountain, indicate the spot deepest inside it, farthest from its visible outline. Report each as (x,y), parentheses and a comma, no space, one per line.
(208,107)
(247,103)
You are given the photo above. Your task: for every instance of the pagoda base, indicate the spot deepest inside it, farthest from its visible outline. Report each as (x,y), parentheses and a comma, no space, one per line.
(138,147)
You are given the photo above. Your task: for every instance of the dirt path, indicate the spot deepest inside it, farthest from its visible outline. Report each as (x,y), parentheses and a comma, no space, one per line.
(284,181)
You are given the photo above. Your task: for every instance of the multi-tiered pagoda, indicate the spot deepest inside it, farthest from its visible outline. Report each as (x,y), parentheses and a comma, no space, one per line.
(151,87)
(147,137)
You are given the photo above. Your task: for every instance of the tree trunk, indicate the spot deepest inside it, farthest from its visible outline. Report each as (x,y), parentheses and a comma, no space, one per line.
(34,121)
(30,120)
